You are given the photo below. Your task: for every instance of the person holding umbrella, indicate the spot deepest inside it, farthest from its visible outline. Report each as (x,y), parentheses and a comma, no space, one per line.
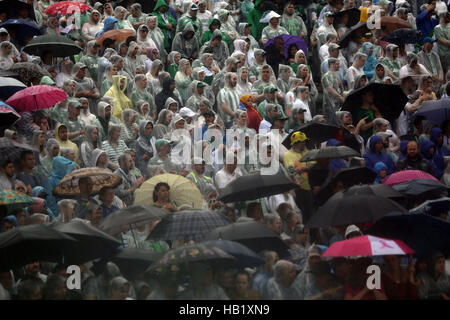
(435,283)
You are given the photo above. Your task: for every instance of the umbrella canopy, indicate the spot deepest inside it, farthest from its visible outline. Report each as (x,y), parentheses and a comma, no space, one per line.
(36,97)
(390,24)
(134,215)
(134,261)
(58,45)
(254,186)
(405,176)
(13,7)
(315,131)
(288,41)
(11,197)
(20,29)
(344,208)
(192,253)
(182,191)
(244,256)
(388,98)
(118,36)
(252,234)
(188,225)
(26,244)
(421,232)
(28,71)
(9,86)
(330,152)
(355,32)
(92,243)
(12,149)
(419,187)
(8,115)
(433,207)
(63,8)
(404,36)
(367,246)
(68,186)
(436,111)
(353,15)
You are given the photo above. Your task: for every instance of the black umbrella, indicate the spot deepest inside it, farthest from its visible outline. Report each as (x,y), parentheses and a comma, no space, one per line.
(59,46)
(92,243)
(23,245)
(436,111)
(252,234)
(330,152)
(136,215)
(404,36)
(353,15)
(355,32)
(188,225)
(418,187)
(12,149)
(388,98)
(315,131)
(255,186)
(134,261)
(198,252)
(244,256)
(433,207)
(9,86)
(423,233)
(344,209)
(356,181)
(13,7)
(19,29)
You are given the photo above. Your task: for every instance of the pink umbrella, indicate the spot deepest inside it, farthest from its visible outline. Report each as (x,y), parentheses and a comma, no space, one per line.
(36,98)
(367,246)
(407,175)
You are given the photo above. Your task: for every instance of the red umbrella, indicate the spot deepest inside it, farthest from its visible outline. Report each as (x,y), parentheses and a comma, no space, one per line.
(36,98)
(407,175)
(367,246)
(67,7)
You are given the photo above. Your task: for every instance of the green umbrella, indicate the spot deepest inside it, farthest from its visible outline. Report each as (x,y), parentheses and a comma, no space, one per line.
(59,46)
(11,197)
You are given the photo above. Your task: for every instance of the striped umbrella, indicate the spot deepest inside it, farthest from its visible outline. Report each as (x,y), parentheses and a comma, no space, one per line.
(8,115)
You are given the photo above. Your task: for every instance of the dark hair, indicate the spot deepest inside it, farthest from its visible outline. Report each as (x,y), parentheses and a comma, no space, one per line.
(26,288)
(157,187)
(108,42)
(251,207)
(418,120)
(129,39)
(447,88)
(48,292)
(103,190)
(5,163)
(25,153)
(242,272)
(444,125)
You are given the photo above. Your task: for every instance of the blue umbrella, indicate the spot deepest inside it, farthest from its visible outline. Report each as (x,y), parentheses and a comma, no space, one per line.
(436,111)
(21,28)
(423,233)
(244,256)
(288,41)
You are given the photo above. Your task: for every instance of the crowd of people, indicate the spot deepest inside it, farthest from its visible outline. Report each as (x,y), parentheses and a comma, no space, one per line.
(192,69)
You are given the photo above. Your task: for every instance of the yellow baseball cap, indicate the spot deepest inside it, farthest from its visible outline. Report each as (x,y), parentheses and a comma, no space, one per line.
(298,137)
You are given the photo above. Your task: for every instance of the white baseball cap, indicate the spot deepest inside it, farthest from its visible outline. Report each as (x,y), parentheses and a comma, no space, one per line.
(186,112)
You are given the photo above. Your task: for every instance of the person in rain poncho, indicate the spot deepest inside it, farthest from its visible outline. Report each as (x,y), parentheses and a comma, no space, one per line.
(174,58)
(61,167)
(61,135)
(131,61)
(114,146)
(168,91)
(155,34)
(326,28)
(292,22)
(117,91)
(183,79)
(145,146)
(217,47)
(244,85)
(284,73)
(380,169)
(376,153)
(254,18)
(164,119)
(110,23)
(85,114)
(304,74)
(301,101)
(141,93)
(191,17)
(129,128)
(380,75)
(186,43)
(356,69)
(90,143)
(162,162)
(333,91)
(266,77)
(226,27)
(104,119)
(197,95)
(85,86)
(181,139)
(44,169)
(274,29)
(371,60)
(391,61)
(152,75)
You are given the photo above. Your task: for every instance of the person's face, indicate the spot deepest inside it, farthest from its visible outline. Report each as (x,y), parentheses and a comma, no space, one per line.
(379,146)
(382,173)
(172,86)
(96,216)
(9,170)
(32,268)
(107,112)
(152,24)
(21,218)
(123,49)
(84,104)
(108,196)
(300,117)
(243,119)
(145,108)
(129,163)
(202,7)
(427,83)
(279,43)
(380,71)
(278,124)
(122,83)
(8,226)
(241,284)
(29,161)
(234,80)
(265,75)
(273,112)
(290,10)
(313,261)
(180,124)
(275,21)
(148,130)
(36,294)
(116,134)
(412,149)
(303,236)
(74,111)
(200,90)
(162,194)
(169,117)
(276,226)
(304,95)
(102,159)
(200,168)
(108,9)
(209,120)
(290,274)
(440,265)
(413,63)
